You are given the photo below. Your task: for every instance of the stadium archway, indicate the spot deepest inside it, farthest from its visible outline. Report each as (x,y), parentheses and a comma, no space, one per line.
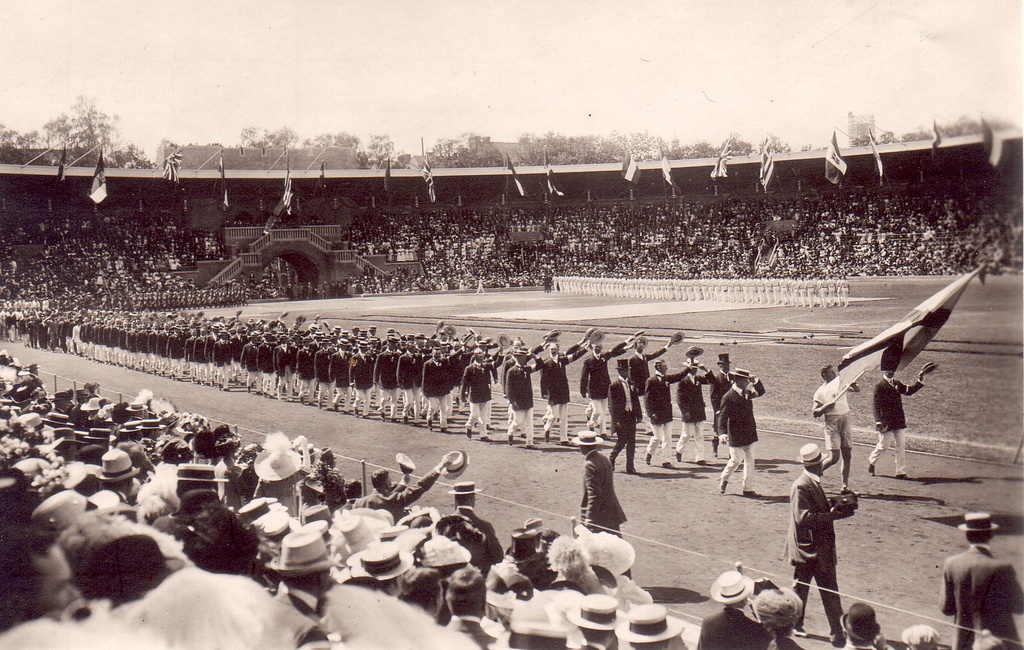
(295,267)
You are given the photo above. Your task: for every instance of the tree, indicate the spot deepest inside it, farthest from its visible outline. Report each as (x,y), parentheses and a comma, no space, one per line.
(340,139)
(740,147)
(776,144)
(380,149)
(86,128)
(253,136)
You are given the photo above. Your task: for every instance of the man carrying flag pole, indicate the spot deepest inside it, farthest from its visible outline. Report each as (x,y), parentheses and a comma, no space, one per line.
(835,166)
(893,350)
(98,191)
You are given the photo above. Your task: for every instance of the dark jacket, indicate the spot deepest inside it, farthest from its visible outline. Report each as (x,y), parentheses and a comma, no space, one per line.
(519,387)
(476,382)
(594,379)
(600,507)
(690,395)
(983,593)
(889,404)
(620,417)
(658,397)
(554,383)
(811,533)
(730,629)
(736,418)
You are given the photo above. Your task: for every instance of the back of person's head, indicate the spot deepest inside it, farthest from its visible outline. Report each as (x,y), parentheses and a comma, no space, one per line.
(421,586)
(381,481)
(778,610)
(216,541)
(24,595)
(467,592)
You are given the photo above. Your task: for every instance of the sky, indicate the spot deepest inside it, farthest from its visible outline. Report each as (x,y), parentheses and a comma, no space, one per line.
(200,71)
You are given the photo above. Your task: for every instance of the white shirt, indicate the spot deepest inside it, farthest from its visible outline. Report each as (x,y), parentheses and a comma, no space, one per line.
(841,406)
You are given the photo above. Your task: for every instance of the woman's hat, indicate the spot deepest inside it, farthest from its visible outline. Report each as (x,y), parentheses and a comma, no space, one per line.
(277,465)
(439,551)
(92,405)
(732,587)
(606,550)
(302,553)
(647,624)
(60,510)
(381,562)
(860,624)
(595,612)
(978,522)
(117,465)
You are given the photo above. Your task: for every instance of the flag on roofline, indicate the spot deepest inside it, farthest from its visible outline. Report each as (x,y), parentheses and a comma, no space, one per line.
(552,189)
(387,176)
(428,178)
(285,204)
(767,164)
(896,347)
(98,191)
(630,170)
(993,143)
(223,181)
(515,176)
(666,171)
(62,167)
(721,169)
(172,165)
(874,152)
(323,176)
(835,166)
(936,138)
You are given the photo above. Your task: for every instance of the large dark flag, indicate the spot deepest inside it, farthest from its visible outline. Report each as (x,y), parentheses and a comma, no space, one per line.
(285,204)
(223,181)
(387,176)
(98,191)
(835,166)
(515,176)
(552,189)
(767,164)
(428,178)
(896,347)
(62,167)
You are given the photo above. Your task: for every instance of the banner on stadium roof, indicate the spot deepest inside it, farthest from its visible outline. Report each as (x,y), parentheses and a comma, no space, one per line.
(896,347)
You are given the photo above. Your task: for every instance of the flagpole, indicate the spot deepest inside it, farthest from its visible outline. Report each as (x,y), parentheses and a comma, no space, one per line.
(322,152)
(39,156)
(207,160)
(83,156)
(278,160)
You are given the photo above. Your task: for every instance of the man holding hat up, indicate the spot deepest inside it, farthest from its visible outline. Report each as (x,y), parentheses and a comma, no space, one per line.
(736,421)
(811,543)
(690,395)
(978,590)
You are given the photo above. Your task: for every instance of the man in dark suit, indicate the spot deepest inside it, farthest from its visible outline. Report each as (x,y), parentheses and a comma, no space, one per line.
(811,543)
(730,629)
(476,389)
(599,509)
(465,505)
(736,421)
(624,408)
(720,384)
(594,382)
(692,411)
(658,402)
(554,387)
(980,591)
(890,420)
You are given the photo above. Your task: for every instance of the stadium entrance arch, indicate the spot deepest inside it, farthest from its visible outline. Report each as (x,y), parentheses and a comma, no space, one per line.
(310,265)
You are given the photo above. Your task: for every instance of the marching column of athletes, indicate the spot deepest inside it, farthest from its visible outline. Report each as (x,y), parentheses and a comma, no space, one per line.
(834,292)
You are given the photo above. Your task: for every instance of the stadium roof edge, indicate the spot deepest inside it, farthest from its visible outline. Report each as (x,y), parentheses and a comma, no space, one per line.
(919,145)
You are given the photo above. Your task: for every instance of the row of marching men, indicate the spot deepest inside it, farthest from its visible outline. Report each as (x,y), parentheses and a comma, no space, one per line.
(415,377)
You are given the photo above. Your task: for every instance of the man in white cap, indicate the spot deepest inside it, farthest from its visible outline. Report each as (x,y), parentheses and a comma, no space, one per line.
(811,542)
(731,629)
(979,590)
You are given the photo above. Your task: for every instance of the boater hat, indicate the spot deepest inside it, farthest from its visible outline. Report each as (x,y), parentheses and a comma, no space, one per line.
(732,587)
(595,612)
(381,562)
(587,438)
(810,454)
(464,488)
(302,553)
(978,522)
(648,624)
(117,465)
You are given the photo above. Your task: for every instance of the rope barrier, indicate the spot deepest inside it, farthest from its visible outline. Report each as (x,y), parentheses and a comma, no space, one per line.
(631,536)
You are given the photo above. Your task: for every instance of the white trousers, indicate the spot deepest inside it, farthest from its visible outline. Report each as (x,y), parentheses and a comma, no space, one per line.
(522,419)
(897,437)
(662,438)
(598,416)
(479,412)
(693,431)
(559,412)
(739,455)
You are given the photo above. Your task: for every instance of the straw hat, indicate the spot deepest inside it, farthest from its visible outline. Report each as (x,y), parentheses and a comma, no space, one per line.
(277,464)
(302,553)
(978,522)
(117,466)
(60,510)
(648,624)
(440,551)
(732,587)
(381,562)
(595,612)
(587,438)
(810,454)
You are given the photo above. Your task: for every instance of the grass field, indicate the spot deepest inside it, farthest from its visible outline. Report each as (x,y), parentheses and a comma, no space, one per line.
(971,407)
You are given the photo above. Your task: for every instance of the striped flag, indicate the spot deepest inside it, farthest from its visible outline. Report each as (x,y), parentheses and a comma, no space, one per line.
(874,152)
(515,176)
(428,178)
(896,347)
(936,138)
(835,166)
(98,191)
(223,181)
(387,176)
(666,172)
(552,189)
(172,165)
(767,164)
(993,143)
(630,170)
(62,167)
(721,169)
(323,176)
(285,204)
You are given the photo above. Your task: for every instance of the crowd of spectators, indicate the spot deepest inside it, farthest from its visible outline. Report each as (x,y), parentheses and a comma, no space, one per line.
(134,524)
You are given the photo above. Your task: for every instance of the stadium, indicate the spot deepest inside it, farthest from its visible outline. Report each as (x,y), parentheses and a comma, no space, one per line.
(202,388)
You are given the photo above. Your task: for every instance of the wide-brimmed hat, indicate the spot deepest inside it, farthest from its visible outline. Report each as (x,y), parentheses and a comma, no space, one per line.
(810,454)
(860,624)
(647,624)
(464,488)
(457,465)
(693,351)
(60,510)
(381,562)
(606,550)
(584,438)
(439,551)
(117,465)
(92,405)
(257,508)
(740,372)
(595,612)
(276,524)
(405,463)
(277,465)
(302,553)
(978,522)
(732,587)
